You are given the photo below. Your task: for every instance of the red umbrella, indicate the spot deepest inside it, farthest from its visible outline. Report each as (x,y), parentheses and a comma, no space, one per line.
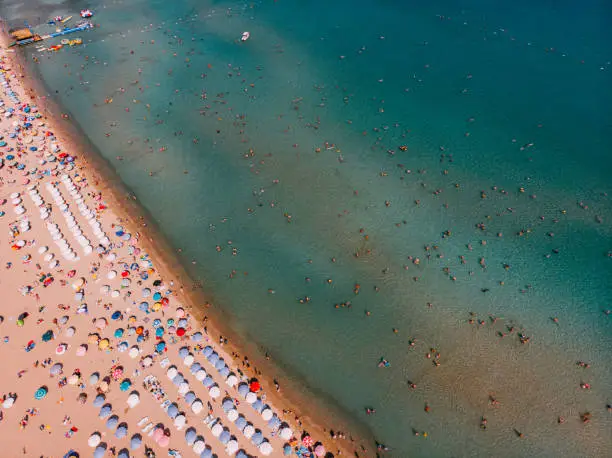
(125,274)
(255,386)
(308,441)
(180,332)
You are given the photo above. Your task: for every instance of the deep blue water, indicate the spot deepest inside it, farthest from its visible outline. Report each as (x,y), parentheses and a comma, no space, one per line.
(466,87)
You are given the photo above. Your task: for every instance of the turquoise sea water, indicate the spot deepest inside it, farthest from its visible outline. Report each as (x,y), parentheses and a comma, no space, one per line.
(488,98)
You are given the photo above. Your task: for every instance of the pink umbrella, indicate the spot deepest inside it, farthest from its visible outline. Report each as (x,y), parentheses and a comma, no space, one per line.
(158,434)
(117,373)
(308,441)
(319,450)
(163,441)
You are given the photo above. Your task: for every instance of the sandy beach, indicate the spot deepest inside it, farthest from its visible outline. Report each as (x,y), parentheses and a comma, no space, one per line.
(103,351)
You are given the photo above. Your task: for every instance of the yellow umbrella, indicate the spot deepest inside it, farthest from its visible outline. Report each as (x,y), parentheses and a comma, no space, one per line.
(104,343)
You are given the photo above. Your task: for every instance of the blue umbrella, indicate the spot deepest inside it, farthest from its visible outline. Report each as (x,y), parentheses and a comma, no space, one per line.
(207,453)
(41,393)
(135,441)
(105,411)
(257,438)
(172,410)
(182,323)
(56,369)
(207,351)
(258,405)
(208,382)
(274,422)
(213,358)
(159,332)
(241,454)
(121,431)
(116,315)
(220,364)
(156,322)
(160,346)
(227,404)
(112,421)
(125,385)
(190,436)
(140,338)
(100,451)
(190,397)
(225,371)
(123,346)
(183,352)
(99,400)
(243,389)
(134,266)
(196,336)
(123,453)
(170,322)
(195,367)
(157,296)
(146,292)
(93,378)
(178,379)
(119,333)
(144,307)
(287,450)
(225,436)
(240,422)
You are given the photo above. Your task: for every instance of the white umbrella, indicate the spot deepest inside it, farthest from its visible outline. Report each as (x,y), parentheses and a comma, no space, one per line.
(232,447)
(188,361)
(232,415)
(179,421)
(231,380)
(265,448)
(94,440)
(217,429)
(172,372)
(250,398)
(248,431)
(133,352)
(133,400)
(266,414)
(286,433)
(198,446)
(214,392)
(197,407)
(147,361)
(8,403)
(200,375)
(183,388)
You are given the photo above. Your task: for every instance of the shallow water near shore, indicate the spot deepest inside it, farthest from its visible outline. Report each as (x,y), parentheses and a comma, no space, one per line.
(245,121)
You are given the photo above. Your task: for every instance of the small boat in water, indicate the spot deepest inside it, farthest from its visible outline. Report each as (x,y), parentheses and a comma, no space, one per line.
(86,13)
(245,36)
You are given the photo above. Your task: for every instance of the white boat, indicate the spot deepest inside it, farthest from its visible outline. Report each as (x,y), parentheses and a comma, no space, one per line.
(245,36)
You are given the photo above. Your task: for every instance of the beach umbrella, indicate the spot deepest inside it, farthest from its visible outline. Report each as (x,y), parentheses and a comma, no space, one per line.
(240,422)
(38,394)
(112,422)
(101,323)
(183,388)
(105,411)
(196,336)
(220,364)
(117,373)
(265,448)
(197,407)
(133,399)
(135,441)
(47,336)
(213,358)
(248,431)
(93,339)
(82,398)
(250,397)
(190,436)
(164,441)
(146,292)
(100,451)
(157,434)
(319,450)
(133,353)
(123,453)
(119,333)
(121,431)
(207,351)
(73,379)
(307,441)
(199,445)
(56,369)
(274,422)
(231,380)
(179,421)
(160,347)
(287,450)
(195,367)
(172,372)
(190,397)
(81,350)
(103,344)
(266,414)
(224,372)
(99,400)
(172,410)
(257,438)
(208,381)
(214,392)
(207,453)
(225,436)
(159,332)
(8,402)
(93,378)
(70,331)
(243,389)
(94,440)
(157,296)
(286,433)
(231,447)
(258,406)
(103,386)
(123,346)
(254,386)
(227,404)
(182,323)
(188,361)
(183,352)
(232,415)
(217,429)
(147,361)
(200,375)
(178,379)
(125,385)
